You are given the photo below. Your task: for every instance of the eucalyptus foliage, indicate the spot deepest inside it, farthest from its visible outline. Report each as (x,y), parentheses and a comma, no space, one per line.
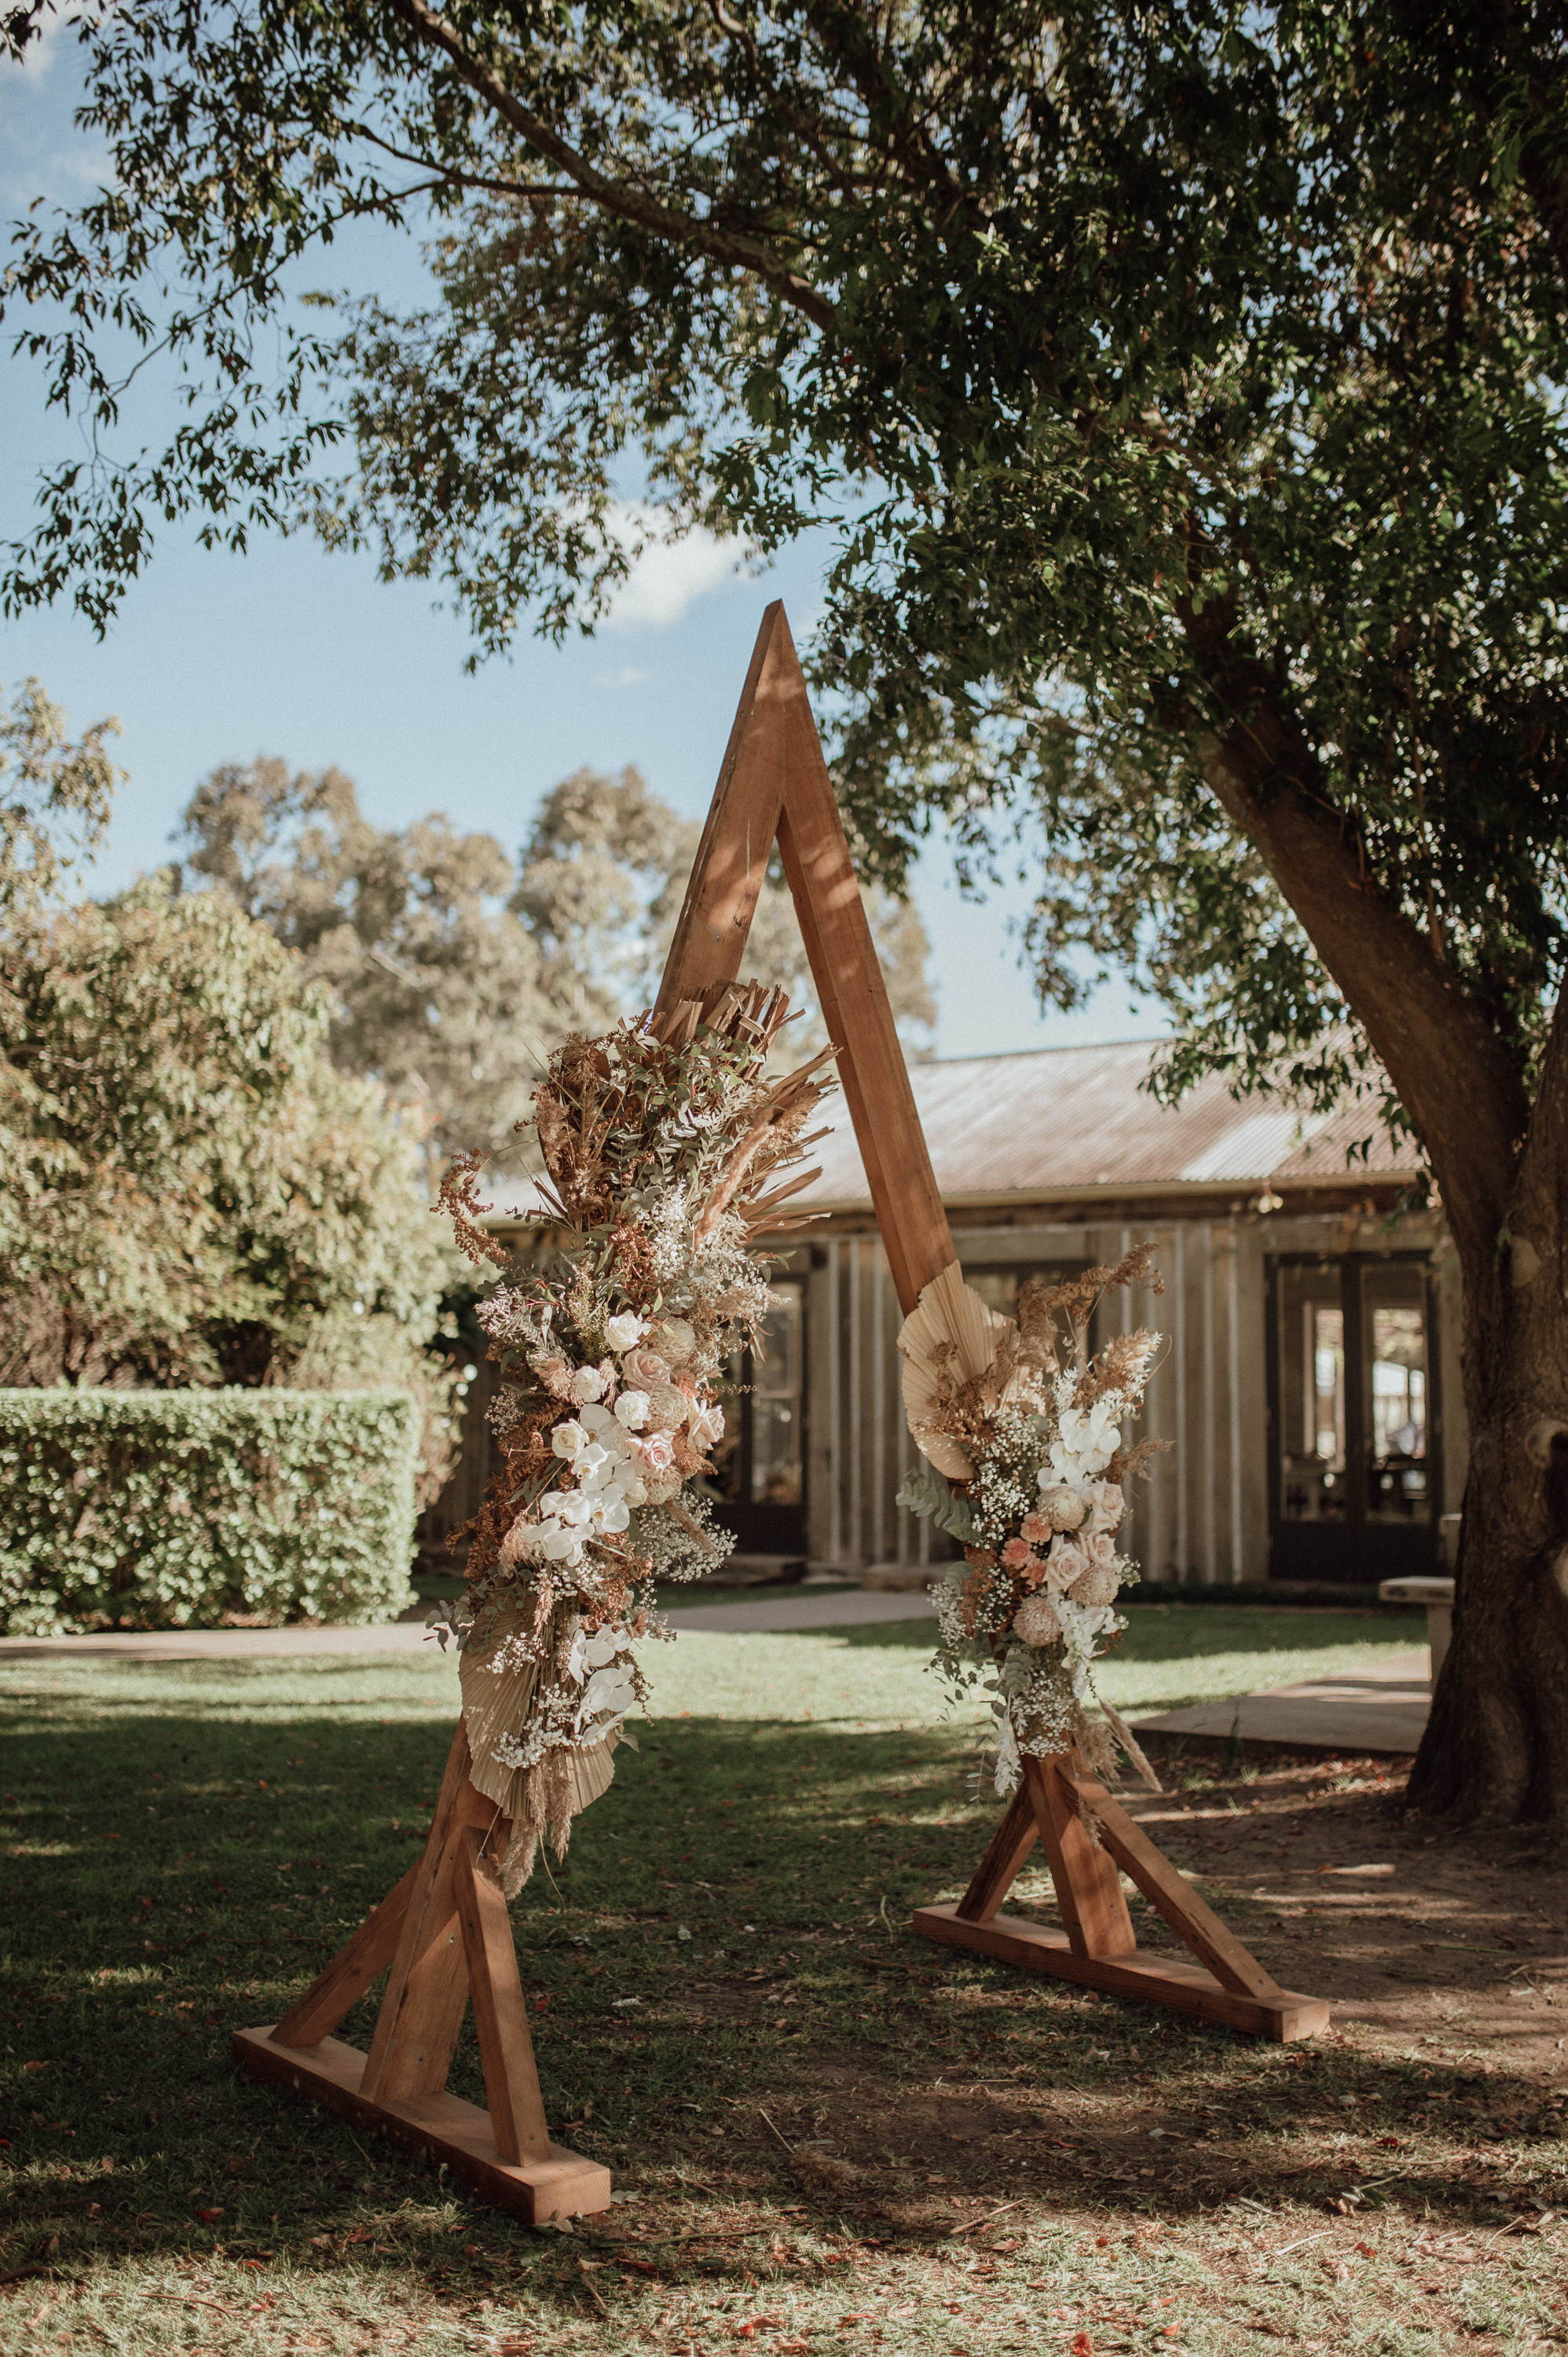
(174,1510)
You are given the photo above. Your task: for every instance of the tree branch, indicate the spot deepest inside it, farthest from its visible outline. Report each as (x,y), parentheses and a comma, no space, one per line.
(629,204)
(1455,1076)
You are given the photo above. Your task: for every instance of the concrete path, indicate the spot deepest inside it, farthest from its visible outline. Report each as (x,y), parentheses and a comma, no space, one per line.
(779,1610)
(854,1608)
(1379,1709)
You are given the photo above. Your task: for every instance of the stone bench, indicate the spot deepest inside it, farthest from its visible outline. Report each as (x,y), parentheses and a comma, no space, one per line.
(1437,1595)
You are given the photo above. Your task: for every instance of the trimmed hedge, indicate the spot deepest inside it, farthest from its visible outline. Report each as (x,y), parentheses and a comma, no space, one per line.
(177,1510)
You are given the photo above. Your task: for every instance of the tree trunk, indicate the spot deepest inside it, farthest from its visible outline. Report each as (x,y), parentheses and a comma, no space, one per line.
(1497,1742)
(1496,1745)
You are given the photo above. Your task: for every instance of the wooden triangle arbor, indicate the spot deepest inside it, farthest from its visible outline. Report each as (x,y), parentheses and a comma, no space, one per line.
(443,1934)
(774,786)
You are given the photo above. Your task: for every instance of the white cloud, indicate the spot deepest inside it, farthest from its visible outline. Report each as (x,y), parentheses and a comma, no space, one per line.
(629,675)
(669,576)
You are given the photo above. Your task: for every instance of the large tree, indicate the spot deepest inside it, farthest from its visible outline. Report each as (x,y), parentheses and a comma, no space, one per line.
(1186,387)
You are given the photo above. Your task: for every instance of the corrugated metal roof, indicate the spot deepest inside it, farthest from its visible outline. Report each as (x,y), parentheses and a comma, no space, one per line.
(1056,1122)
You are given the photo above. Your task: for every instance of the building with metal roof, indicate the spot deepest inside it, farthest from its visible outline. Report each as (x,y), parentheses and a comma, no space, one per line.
(1308,1384)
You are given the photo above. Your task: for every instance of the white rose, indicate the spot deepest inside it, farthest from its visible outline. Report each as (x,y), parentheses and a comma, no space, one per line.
(707,1422)
(632,1409)
(1062,1507)
(587,1383)
(569,1441)
(624,1332)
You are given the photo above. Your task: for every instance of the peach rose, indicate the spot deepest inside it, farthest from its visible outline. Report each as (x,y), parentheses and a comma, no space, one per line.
(1106,1505)
(643,1368)
(1066,1562)
(1100,1549)
(657,1451)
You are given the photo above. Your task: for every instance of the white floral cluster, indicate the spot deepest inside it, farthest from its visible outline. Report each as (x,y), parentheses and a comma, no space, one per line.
(1041,1568)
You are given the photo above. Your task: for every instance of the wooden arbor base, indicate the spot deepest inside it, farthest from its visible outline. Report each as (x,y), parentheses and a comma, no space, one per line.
(1097,1946)
(444,1933)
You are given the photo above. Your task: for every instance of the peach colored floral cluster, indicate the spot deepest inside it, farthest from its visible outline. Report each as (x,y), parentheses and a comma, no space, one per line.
(1034,1603)
(666,1146)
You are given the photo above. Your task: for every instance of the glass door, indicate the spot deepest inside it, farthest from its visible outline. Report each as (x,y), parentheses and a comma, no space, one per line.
(1354,1491)
(761,1462)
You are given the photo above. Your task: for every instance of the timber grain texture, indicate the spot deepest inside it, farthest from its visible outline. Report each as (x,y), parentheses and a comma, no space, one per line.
(558,2184)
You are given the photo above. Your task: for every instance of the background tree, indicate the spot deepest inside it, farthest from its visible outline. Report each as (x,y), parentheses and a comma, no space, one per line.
(604,873)
(190,1191)
(452,972)
(1187,389)
(436,987)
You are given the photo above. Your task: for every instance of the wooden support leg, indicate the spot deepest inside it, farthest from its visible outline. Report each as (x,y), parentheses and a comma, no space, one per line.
(350,1973)
(1097,1946)
(444,1933)
(500,2016)
(1088,1889)
(998,1870)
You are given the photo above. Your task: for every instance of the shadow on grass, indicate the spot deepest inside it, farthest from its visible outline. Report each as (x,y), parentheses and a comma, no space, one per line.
(729,2008)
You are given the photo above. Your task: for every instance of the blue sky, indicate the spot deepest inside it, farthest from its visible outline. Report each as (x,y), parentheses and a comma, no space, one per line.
(290,651)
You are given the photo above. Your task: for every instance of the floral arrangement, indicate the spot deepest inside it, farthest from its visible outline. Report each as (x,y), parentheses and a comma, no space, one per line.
(1026,1428)
(665,1145)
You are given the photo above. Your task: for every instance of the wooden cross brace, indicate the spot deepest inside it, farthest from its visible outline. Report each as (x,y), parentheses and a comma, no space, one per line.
(443,1934)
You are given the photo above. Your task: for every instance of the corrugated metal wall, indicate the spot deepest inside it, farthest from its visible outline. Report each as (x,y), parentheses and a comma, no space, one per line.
(1203,1513)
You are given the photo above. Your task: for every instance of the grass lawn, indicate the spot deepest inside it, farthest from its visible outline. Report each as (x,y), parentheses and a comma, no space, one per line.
(826,2134)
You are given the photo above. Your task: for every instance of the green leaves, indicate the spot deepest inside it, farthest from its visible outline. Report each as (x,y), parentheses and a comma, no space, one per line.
(924,1492)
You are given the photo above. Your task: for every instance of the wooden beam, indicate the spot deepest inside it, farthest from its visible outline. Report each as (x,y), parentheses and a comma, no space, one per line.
(1088,1889)
(1170,1981)
(500,2016)
(351,1971)
(998,1870)
(450,2133)
(737,839)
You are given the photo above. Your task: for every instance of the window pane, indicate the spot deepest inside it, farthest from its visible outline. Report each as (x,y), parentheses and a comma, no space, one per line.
(1312,1396)
(777,1472)
(1394,1321)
